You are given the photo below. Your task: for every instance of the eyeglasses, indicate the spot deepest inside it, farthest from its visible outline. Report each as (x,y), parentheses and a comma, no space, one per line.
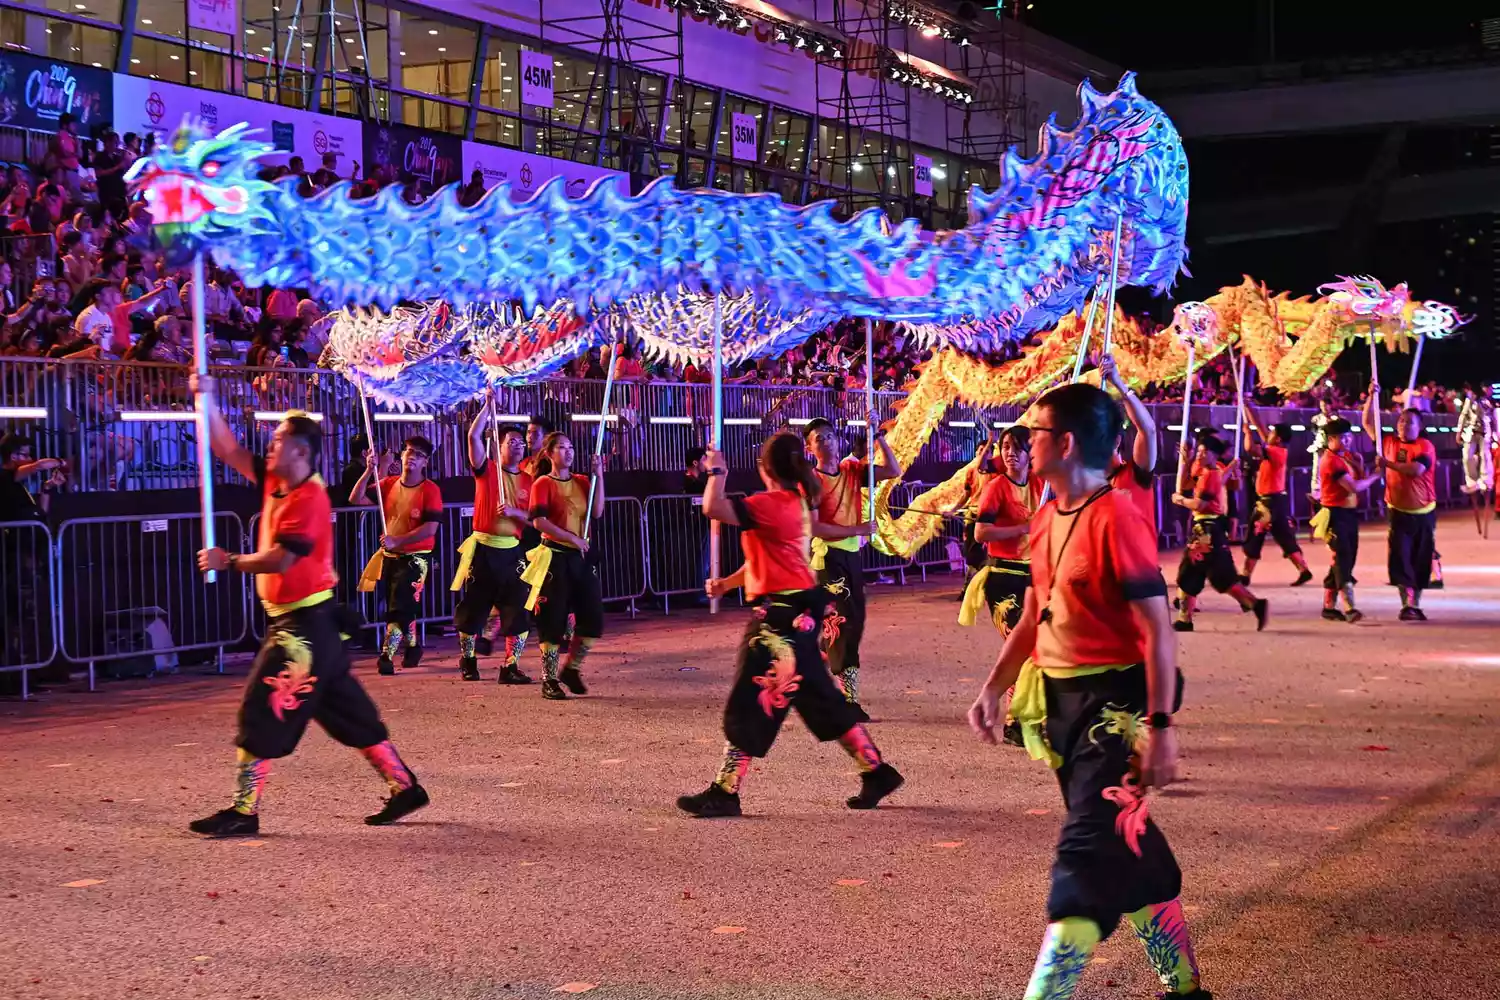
(1049,430)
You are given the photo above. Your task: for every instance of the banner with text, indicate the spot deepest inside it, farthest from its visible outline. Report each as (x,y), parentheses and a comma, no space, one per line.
(35,92)
(922,170)
(426,159)
(527,172)
(214,15)
(536,79)
(745,137)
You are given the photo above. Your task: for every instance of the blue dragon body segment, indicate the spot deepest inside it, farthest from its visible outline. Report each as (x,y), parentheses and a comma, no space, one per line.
(1031,251)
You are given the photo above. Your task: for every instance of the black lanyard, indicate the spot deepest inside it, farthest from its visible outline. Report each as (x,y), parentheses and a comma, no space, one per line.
(1055,560)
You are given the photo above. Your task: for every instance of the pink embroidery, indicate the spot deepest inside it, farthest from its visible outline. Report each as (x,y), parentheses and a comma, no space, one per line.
(803,622)
(831,623)
(285,688)
(900,282)
(776,683)
(1131,822)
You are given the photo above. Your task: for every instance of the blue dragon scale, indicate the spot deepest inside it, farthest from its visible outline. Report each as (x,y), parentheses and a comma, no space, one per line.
(1031,251)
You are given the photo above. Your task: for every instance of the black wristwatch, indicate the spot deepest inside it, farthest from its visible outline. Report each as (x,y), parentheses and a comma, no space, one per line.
(718,472)
(234,559)
(1161,720)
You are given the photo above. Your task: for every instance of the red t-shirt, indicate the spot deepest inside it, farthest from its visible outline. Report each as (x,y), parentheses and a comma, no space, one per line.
(842,502)
(489,498)
(1271,477)
(1141,485)
(1005,504)
(776,533)
(1334,490)
(1108,561)
(300,520)
(563,502)
(1208,487)
(407,508)
(1411,494)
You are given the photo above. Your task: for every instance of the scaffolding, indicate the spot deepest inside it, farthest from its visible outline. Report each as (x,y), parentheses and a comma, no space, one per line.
(994,63)
(617,114)
(318,58)
(864,112)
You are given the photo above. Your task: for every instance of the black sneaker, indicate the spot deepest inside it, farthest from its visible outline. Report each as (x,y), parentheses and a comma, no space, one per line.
(411,657)
(483,646)
(1420,615)
(1011,734)
(403,803)
(1353,616)
(227,823)
(874,786)
(552,691)
(1245,579)
(468,668)
(572,680)
(1182,625)
(1262,610)
(385,666)
(1303,577)
(513,675)
(1333,615)
(859,711)
(711,803)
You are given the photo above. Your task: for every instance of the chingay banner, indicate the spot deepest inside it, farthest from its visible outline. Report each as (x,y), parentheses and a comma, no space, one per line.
(527,172)
(426,159)
(35,92)
(214,15)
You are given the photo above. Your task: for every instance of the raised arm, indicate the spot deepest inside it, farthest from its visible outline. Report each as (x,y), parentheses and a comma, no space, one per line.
(888,467)
(1143,450)
(477,450)
(1255,432)
(221,438)
(1369,414)
(598,469)
(715,504)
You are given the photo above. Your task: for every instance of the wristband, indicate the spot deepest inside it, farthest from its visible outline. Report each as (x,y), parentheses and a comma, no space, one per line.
(234,561)
(1161,720)
(718,472)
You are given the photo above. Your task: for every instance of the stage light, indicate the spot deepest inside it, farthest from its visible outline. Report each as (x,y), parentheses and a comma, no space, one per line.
(23,412)
(671,420)
(157,416)
(741,24)
(931,31)
(277,416)
(593,418)
(745,421)
(403,418)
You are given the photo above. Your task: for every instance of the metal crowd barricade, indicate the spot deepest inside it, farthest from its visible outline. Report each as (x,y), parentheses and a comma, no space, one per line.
(676,534)
(28,625)
(939,551)
(621,540)
(129,587)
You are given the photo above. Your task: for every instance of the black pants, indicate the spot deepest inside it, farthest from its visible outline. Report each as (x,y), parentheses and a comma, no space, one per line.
(494,582)
(1343,546)
(1413,546)
(1207,558)
(1097,874)
(1005,591)
(1273,516)
(301,675)
(779,667)
(403,578)
(843,578)
(571,588)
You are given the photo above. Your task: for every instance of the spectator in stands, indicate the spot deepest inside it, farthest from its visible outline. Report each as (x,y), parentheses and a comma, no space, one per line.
(281,305)
(15,196)
(471,192)
(316,327)
(63,153)
(265,345)
(695,478)
(17,502)
(221,309)
(78,268)
(106,321)
(327,175)
(162,340)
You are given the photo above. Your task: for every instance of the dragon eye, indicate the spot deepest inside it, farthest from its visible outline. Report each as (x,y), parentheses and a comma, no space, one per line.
(211,168)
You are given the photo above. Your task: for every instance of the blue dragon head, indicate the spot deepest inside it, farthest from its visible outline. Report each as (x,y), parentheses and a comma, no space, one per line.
(203,189)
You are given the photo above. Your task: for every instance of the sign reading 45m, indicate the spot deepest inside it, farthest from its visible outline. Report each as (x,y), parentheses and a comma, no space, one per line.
(536,79)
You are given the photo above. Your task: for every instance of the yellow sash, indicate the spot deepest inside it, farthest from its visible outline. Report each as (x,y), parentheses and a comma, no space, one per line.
(1028,706)
(968,610)
(1320,523)
(466,553)
(538,561)
(277,610)
(820,547)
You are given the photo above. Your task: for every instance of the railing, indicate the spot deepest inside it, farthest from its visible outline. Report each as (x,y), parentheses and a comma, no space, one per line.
(28,577)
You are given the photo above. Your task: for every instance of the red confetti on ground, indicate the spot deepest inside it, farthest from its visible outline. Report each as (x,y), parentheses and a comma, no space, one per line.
(687,894)
(1376,748)
(1037,812)
(575,987)
(211,895)
(727,929)
(949,843)
(1374,939)
(850,881)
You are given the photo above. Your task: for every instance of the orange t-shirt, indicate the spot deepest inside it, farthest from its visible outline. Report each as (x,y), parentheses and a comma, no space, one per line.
(1208,487)
(1411,494)
(842,502)
(1106,559)
(407,508)
(1334,490)
(776,536)
(1270,478)
(564,502)
(1141,485)
(300,520)
(489,498)
(1007,503)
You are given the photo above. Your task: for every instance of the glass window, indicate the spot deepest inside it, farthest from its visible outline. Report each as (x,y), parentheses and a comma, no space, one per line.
(577,98)
(439,57)
(498,129)
(435,115)
(45,36)
(159,60)
(697,103)
(497,79)
(636,101)
(786,141)
(99,10)
(832,167)
(160,17)
(744,106)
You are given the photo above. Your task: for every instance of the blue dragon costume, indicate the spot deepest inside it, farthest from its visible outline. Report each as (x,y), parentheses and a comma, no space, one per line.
(581,271)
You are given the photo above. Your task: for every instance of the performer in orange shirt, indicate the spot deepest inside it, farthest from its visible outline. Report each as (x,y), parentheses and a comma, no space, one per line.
(301,673)
(1094,661)
(1135,474)
(1341,479)
(1410,464)
(1201,488)
(1004,528)
(413,513)
(780,666)
(1273,508)
(492,559)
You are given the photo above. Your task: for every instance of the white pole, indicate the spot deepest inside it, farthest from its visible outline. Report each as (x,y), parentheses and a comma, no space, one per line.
(1187,409)
(870,419)
(717,437)
(202,403)
(364,406)
(1238,367)
(1114,284)
(1416,362)
(1083,339)
(495,440)
(1375,394)
(609,386)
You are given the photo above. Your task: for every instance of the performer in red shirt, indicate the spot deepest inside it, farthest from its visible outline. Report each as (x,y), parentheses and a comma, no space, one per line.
(534,464)
(1201,489)
(837,530)
(564,580)
(1410,464)
(1136,474)
(779,664)
(1094,660)
(1004,527)
(301,673)
(413,513)
(491,559)
(1341,479)
(1273,508)
(981,472)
